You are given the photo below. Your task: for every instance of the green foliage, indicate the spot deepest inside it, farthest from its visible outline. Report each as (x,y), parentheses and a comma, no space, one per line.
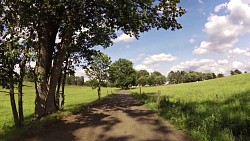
(235,72)
(98,68)
(122,74)
(143,80)
(220,75)
(186,77)
(91,83)
(156,78)
(74,80)
(142,77)
(215,110)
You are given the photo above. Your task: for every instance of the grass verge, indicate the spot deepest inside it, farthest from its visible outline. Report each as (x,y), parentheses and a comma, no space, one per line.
(214,110)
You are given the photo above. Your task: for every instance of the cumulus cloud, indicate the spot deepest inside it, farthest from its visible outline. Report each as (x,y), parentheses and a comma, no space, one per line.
(242,66)
(200,1)
(211,65)
(124,38)
(221,62)
(223,31)
(203,65)
(237,65)
(159,58)
(220,7)
(238,51)
(143,67)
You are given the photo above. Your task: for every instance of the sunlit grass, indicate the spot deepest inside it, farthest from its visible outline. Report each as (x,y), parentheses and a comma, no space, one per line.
(210,110)
(75,97)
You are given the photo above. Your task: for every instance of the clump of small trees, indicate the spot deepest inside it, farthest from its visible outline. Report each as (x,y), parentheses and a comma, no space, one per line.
(177,77)
(235,72)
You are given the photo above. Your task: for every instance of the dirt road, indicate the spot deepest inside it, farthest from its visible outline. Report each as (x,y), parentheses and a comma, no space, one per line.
(117,118)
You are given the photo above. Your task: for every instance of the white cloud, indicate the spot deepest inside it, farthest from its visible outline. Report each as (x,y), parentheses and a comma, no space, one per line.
(223,31)
(220,7)
(203,65)
(159,58)
(238,51)
(124,38)
(242,66)
(143,67)
(221,62)
(200,1)
(211,65)
(237,65)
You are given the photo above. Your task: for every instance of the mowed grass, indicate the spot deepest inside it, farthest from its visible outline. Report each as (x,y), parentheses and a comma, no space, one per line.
(75,97)
(212,110)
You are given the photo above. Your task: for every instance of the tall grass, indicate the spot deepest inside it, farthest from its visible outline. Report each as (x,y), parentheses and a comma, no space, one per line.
(75,97)
(213,110)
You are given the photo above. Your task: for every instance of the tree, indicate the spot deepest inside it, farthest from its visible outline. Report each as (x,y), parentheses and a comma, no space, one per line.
(81,24)
(142,77)
(157,78)
(214,75)
(235,72)
(176,77)
(142,81)
(121,73)
(220,75)
(208,76)
(160,80)
(15,50)
(98,70)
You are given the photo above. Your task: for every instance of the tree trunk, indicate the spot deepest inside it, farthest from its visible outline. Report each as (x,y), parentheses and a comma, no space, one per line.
(64,79)
(55,73)
(99,92)
(58,92)
(41,77)
(12,99)
(20,91)
(42,90)
(47,31)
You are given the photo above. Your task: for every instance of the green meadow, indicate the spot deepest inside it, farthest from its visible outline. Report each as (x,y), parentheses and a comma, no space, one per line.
(75,97)
(212,110)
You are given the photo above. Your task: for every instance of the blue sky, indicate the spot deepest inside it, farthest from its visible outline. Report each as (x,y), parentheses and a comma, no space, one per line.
(215,38)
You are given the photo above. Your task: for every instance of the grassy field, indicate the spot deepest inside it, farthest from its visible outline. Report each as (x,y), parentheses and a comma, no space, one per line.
(75,97)
(212,110)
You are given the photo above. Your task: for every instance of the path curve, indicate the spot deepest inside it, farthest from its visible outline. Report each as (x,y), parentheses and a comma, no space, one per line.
(120,117)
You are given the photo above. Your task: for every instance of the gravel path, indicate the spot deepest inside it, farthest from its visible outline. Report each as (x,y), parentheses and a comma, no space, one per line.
(119,117)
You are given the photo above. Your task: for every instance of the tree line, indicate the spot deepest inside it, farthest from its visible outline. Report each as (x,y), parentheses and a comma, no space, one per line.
(121,74)
(177,77)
